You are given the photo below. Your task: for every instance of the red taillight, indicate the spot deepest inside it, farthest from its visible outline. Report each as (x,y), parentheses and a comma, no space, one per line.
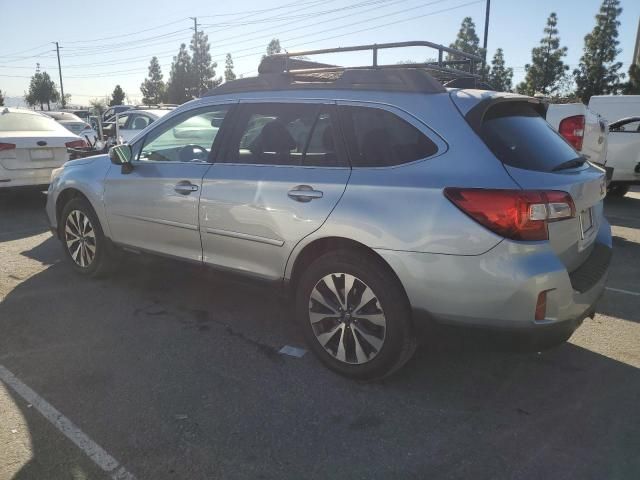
(572,129)
(77,144)
(541,306)
(7,146)
(515,214)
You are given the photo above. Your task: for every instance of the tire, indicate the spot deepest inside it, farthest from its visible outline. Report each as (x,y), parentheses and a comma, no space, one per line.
(618,191)
(377,336)
(78,248)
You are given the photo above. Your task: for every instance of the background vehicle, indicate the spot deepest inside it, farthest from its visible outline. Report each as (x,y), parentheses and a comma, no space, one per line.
(31,146)
(131,122)
(624,148)
(110,112)
(624,155)
(337,188)
(74,124)
(584,129)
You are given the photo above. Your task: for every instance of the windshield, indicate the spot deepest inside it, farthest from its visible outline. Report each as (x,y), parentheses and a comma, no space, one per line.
(517,134)
(15,122)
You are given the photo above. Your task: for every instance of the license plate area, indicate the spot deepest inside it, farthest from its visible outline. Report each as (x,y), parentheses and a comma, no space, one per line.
(587,228)
(41,154)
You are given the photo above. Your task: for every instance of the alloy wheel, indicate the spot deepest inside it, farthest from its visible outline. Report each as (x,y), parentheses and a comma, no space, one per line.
(80,238)
(346,318)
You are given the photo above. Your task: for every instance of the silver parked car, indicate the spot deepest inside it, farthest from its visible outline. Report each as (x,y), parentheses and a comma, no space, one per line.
(377,198)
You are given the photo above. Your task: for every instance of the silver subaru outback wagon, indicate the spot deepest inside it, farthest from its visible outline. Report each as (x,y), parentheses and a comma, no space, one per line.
(375,197)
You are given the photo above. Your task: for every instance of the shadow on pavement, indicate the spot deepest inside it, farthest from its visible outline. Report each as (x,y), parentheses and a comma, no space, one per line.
(622,212)
(175,372)
(24,212)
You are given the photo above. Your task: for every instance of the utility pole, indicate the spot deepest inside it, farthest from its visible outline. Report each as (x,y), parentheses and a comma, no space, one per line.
(486,35)
(60,73)
(196,60)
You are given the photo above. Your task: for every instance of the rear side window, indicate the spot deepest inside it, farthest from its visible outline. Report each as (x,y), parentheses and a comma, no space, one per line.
(517,134)
(378,138)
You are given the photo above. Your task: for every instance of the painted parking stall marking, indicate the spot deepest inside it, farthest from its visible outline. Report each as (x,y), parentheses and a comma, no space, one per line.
(94,451)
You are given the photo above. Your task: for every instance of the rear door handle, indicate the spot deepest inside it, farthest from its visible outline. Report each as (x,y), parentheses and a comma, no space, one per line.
(304,193)
(185,188)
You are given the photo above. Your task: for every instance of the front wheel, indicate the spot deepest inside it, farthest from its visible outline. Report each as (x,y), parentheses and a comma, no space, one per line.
(355,315)
(82,238)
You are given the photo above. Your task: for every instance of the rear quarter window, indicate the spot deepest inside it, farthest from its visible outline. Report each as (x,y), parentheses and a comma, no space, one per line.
(519,136)
(379,138)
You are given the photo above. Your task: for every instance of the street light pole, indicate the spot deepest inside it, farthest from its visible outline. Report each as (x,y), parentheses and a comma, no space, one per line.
(486,36)
(196,60)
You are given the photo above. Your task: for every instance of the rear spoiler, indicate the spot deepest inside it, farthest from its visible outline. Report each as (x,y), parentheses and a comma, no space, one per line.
(475,116)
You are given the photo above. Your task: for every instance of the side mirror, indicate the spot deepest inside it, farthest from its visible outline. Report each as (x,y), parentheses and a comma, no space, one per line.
(121,155)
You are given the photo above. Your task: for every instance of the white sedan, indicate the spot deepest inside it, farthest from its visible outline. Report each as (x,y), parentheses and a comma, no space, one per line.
(74,123)
(623,155)
(31,146)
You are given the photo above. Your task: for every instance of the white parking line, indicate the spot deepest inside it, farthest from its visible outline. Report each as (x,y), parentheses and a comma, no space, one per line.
(619,290)
(94,451)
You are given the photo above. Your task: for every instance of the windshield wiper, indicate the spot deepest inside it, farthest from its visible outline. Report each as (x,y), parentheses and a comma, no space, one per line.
(573,163)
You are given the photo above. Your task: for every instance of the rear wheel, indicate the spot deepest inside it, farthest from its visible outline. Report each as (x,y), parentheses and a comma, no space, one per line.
(618,190)
(355,315)
(82,238)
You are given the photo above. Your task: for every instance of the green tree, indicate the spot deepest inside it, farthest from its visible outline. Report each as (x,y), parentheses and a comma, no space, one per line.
(228,69)
(153,88)
(1,99)
(180,83)
(546,70)
(42,90)
(466,41)
(500,77)
(203,69)
(99,106)
(632,87)
(597,72)
(117,97)
(274,47)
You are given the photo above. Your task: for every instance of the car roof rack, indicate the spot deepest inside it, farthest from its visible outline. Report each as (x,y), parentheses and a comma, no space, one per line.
(286,71)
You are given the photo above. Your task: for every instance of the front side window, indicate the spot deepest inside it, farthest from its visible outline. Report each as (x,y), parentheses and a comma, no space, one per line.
(629,125)
(284,134)
(379,138)
(186,138)
(139,122)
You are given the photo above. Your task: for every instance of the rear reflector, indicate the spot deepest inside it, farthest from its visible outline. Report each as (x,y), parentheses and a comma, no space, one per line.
(541,306)
(77,144)
(515,214)
(7,146)
(572,129)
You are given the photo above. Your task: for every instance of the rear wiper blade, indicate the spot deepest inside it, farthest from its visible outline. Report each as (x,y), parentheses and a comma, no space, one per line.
(574,163)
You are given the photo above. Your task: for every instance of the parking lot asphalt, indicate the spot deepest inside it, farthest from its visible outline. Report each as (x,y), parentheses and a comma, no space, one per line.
(174,371)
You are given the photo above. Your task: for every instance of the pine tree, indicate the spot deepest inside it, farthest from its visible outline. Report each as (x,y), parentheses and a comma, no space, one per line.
(153,88)
(117,97)
(466,41)
(500,77)
(274,47)
(632,87)
(597,72)
(546,70)
(228,69)
(203,69)
(42,90)
(1,99)
(180,83)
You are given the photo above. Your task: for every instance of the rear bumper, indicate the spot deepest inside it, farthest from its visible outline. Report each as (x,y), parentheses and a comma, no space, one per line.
(499,289)
(37,177)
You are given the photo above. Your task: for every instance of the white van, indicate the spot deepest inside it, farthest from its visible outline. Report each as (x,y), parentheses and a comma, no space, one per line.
(623,152)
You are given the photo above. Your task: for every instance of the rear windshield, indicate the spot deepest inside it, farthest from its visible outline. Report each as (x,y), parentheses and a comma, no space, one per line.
(517,134)
(15,122)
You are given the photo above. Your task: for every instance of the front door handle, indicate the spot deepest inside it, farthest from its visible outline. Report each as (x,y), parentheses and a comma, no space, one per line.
(185,188)
(304,193)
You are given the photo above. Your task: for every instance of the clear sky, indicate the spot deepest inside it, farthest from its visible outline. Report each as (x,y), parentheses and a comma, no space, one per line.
(112,44)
